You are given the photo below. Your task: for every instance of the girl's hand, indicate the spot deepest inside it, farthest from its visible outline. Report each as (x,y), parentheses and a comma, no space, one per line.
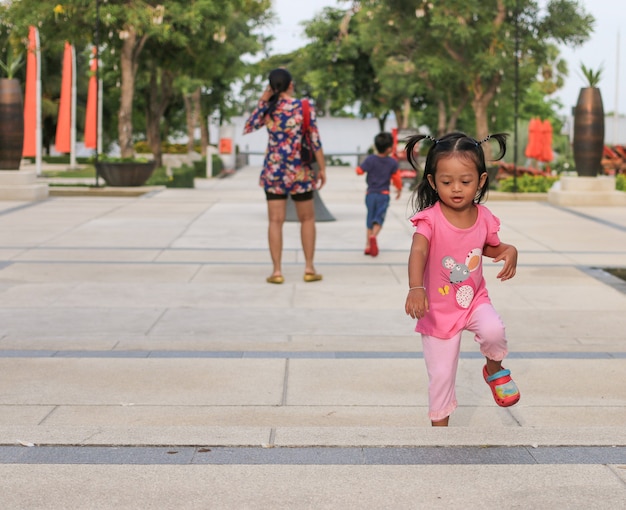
(509,256)
(416,304)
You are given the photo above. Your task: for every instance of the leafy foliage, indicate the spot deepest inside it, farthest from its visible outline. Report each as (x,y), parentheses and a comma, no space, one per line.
(528,184)
(12,64)
(199,42)
(591,76)
(450,65)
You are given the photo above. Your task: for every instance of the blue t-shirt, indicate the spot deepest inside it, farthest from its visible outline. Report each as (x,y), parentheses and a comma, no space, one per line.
(379,170)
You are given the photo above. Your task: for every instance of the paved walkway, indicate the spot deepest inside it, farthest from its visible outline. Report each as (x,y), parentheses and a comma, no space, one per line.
(145,363)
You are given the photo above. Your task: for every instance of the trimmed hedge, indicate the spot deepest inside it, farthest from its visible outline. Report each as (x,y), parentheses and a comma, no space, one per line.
(142,147)
(182,177)
(200,167)
(62,160)
(528,184)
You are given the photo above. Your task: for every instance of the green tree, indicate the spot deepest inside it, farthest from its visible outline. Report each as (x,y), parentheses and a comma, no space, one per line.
(176,33)
(452,54)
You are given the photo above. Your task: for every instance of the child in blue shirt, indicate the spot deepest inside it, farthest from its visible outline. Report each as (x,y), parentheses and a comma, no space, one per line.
(381,170)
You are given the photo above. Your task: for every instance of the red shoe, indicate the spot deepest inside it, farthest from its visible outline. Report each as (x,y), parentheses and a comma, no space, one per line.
(373,246)
(503,388)
(367,251)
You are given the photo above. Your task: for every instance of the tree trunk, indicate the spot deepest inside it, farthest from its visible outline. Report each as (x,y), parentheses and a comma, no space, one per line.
(402,116)
(441,118)
(189,120)
(129,62)
(205,135)
(204,138)
(382,120)
(160,94)
(192,113)
(406,112)
(480,105)
(464,97)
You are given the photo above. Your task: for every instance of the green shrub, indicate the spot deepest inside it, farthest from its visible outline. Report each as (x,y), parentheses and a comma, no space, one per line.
(159,177)
(182,177)
(217,164)
(200,168)
(331,161)
(142,147)
(86,172)
(528,184)
(103,158)
(62,160)
(620,182)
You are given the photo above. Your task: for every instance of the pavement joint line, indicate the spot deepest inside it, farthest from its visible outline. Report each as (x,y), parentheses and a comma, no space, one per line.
(207,263)
(601,221)
(312,455)
(605,277)
(139,354)
(11,210)
(262,250)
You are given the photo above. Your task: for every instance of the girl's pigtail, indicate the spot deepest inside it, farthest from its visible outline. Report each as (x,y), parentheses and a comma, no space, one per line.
(423,195)
(501,139)
(410,148)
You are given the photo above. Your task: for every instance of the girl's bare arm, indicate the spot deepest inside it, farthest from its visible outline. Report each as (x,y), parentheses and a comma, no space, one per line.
(416,304)
(503,252)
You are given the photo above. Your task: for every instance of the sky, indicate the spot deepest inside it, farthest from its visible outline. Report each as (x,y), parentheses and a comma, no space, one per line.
(601,50)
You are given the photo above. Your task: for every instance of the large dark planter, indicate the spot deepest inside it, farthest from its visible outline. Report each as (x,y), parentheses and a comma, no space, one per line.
(11,124)
(125,173)
(588,141)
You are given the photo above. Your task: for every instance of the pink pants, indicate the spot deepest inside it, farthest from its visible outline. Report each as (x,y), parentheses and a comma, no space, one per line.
(442,358)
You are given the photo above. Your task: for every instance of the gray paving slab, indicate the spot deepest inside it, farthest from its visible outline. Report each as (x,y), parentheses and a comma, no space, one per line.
(422,455)
(320,487)
(137,324)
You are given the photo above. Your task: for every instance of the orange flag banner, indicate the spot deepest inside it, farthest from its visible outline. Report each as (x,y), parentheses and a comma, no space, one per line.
(30,97)
(533,149)
(546,137)
(64,122)
(91,113)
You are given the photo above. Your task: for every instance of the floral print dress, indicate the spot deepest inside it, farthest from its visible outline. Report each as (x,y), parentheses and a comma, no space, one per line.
(283,171)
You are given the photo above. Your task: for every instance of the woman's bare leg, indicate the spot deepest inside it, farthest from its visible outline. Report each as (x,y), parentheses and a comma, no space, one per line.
(276,213)
(306,215)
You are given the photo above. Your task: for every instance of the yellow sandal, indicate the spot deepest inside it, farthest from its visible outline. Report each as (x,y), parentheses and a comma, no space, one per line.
(278,279)
(312,277)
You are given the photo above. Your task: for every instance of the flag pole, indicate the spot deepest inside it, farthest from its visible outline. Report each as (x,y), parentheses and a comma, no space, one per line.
(73,112)
(96,40)
(38,137)
(99,115)
(32,101)
(616,108)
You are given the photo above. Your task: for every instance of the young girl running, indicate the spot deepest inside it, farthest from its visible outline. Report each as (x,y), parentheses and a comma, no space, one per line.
(447,292)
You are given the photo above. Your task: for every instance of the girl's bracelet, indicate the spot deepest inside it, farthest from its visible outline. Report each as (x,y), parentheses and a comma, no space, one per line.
(418,287)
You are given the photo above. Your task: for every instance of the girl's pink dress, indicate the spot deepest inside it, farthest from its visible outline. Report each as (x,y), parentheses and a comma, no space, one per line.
(453,275)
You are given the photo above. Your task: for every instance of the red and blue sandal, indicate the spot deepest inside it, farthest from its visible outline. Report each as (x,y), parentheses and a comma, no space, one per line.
(503,388)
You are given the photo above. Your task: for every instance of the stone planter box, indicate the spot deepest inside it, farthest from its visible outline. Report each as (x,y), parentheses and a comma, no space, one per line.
(125,173)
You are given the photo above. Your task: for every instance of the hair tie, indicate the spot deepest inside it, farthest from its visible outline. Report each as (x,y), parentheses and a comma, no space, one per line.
(434,140)
(483,140)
